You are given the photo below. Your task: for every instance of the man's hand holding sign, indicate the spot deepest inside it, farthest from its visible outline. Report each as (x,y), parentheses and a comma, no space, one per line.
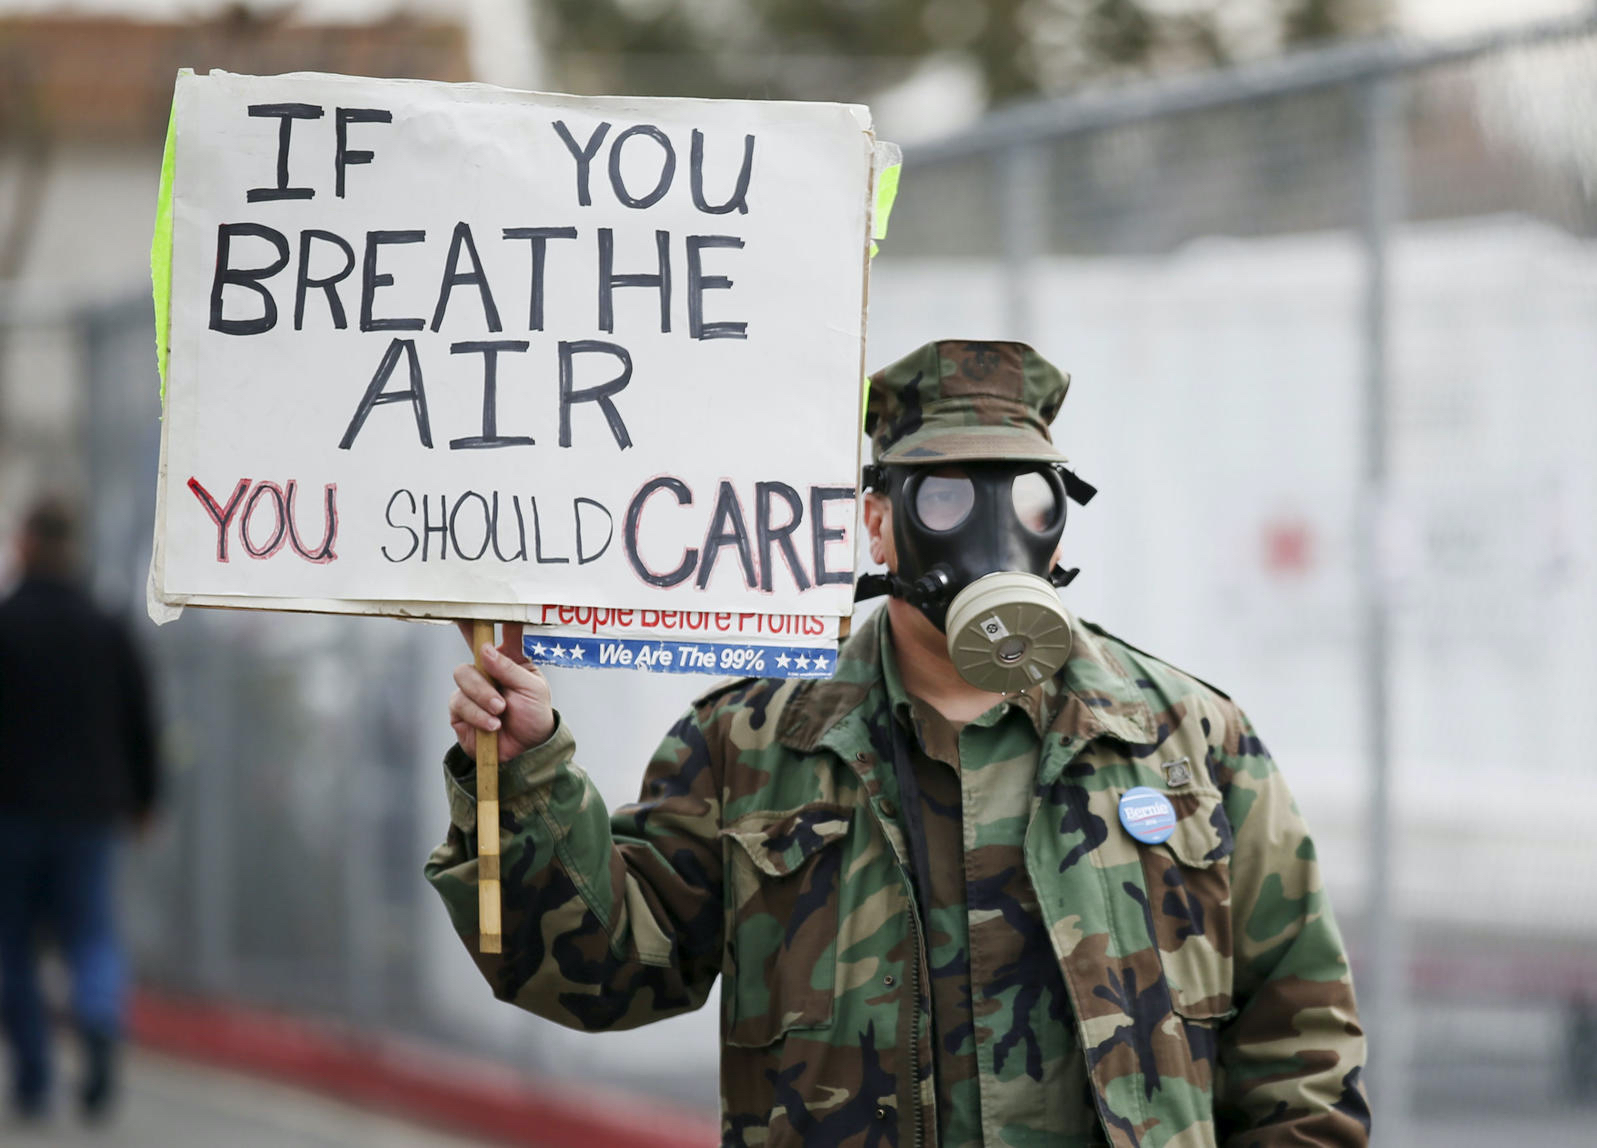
(502,693)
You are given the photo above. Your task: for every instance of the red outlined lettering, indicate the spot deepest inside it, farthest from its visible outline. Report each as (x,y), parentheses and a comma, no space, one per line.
(279,535)
(323,553)
(220,515)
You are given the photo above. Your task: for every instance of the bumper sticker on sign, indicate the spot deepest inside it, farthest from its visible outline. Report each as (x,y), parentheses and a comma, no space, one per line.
(678,657)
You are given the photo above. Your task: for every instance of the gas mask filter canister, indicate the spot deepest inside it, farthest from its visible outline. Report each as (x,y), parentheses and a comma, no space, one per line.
(1007,632)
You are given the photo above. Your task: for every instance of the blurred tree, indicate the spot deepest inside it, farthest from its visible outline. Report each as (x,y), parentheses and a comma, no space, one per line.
(837,49)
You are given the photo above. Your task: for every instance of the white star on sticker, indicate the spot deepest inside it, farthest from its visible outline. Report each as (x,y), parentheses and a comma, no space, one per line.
(803,662)
(820,661)
(783,660)
(560,651)
(576,653)
(539,649)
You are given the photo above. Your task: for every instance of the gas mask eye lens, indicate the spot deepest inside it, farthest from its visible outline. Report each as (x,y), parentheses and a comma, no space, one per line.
(942,503)
(1036,501)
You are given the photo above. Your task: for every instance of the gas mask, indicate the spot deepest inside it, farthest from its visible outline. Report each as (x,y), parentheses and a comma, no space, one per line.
(975,546)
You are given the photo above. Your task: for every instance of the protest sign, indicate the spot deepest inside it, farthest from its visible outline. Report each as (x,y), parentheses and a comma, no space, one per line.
(452,351)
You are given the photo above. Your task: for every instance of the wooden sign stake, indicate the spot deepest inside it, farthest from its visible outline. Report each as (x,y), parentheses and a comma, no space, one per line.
(488,926)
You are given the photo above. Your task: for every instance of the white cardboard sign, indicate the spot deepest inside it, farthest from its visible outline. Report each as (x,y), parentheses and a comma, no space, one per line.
(451,350)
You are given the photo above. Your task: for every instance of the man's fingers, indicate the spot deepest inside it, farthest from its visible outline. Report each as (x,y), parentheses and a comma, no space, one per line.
(464,709)
(478,689)
(512,675)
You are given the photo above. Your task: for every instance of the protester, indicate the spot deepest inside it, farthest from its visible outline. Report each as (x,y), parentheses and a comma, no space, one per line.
(79,757)
(1004,879)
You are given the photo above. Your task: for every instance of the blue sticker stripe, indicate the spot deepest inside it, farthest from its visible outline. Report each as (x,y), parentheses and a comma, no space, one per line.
(668,656)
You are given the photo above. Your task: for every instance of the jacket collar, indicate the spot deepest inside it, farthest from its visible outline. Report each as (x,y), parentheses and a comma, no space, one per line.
(817,707)
(1098,698)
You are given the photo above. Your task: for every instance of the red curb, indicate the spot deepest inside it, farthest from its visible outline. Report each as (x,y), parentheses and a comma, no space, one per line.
(434,1085)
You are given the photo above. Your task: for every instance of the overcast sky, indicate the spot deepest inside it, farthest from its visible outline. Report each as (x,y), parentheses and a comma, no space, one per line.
(1440,16)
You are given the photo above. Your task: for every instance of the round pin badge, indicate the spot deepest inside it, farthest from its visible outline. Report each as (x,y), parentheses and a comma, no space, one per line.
(1147,815)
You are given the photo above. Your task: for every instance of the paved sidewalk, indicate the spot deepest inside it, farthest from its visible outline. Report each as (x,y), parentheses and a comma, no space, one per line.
(171,1103)
(174,1104)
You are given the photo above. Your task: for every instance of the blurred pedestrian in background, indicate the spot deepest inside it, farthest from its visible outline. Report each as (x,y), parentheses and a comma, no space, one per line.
(77,758)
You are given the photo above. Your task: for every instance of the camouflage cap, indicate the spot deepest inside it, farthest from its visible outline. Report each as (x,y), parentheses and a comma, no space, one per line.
(959,401)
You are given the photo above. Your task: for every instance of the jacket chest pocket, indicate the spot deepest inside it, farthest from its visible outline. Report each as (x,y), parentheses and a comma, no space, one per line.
(783,872)
(1189,897)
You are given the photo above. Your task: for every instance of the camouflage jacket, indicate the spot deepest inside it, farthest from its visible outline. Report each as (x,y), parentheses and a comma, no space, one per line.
(1208,982)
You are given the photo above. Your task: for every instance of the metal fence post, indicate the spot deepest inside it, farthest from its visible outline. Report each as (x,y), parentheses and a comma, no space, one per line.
(1386,978)
(364,797)
(212,844)
(1022,201)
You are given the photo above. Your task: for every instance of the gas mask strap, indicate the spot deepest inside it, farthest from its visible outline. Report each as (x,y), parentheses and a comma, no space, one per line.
(874,586)
(1079,490)
(921,593)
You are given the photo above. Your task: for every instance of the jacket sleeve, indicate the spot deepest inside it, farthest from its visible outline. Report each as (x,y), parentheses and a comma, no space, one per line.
(1291,1059)
(609,922)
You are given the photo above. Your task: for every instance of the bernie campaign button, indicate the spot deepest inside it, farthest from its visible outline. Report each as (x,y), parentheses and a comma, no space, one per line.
(1147,815)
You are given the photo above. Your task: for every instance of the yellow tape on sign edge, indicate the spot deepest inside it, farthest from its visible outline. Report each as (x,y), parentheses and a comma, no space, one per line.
(161,248)
(886,195)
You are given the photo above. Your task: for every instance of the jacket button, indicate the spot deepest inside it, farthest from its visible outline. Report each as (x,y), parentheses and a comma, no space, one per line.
(889,981)
(883,1112)
(862,756)
(889,809)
